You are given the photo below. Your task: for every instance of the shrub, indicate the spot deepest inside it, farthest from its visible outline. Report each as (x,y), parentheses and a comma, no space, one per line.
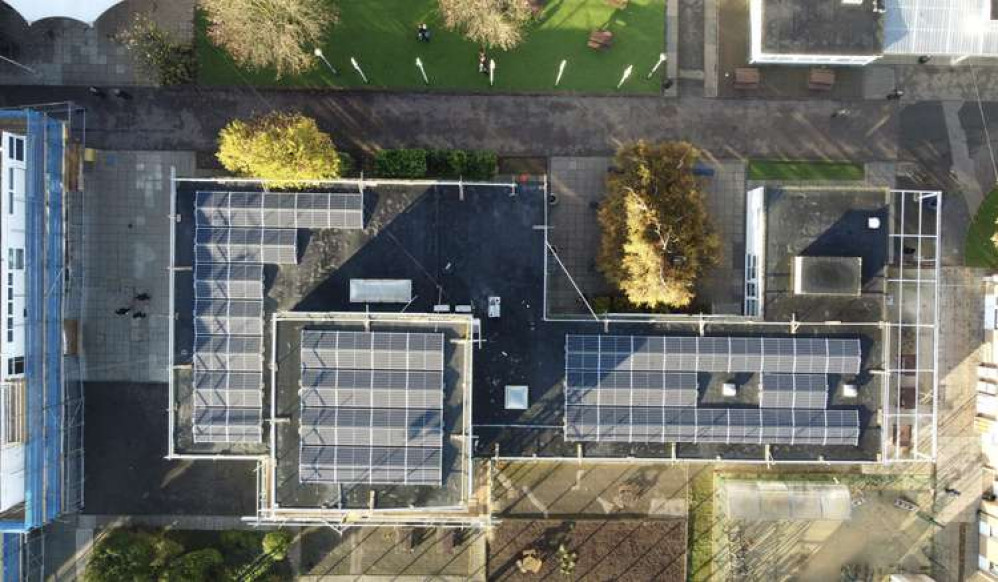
(481,165)
(409,163)
(276,544)
(124,554)
(158,55)
(288,148)
(197,566)
(446,163)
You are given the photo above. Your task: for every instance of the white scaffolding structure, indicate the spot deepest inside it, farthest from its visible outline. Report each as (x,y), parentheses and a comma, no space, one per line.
(909,405)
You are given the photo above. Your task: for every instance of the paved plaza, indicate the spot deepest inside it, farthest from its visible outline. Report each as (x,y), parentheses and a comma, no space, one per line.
(66,52)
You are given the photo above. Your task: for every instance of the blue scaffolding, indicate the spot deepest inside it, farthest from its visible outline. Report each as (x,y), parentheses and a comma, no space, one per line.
(45,137)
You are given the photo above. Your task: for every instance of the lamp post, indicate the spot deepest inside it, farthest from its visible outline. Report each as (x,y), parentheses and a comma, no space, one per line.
(627,73)
(322,57)
(357,68)
(661,59)
(419,63)
(561,71)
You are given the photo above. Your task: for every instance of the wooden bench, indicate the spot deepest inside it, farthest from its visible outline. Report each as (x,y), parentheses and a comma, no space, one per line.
(821,80)
(746,78)
(600,39)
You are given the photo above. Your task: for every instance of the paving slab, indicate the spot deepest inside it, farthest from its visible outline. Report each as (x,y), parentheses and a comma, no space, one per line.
(126,236)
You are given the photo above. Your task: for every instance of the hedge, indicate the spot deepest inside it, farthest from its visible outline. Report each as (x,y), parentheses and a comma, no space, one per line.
(401,163)
(419,163)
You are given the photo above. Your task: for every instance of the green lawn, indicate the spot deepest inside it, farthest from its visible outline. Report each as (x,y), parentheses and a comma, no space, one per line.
(979,251)
(804,171)
(381,35)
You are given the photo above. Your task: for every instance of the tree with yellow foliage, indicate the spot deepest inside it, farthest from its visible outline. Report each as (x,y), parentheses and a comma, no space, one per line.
(656,235)
(287,148)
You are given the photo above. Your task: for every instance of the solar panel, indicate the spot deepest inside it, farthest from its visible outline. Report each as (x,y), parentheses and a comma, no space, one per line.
(797,355)
(712,425)
(236,233)
(224,424)
(371,407)
(627,388)
(312,210)
(644,389)
(793,391)
(368,351)
(246,245)
(228,281)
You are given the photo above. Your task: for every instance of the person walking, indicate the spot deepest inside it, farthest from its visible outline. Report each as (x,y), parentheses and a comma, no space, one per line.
(122,310)
(143,297)
(423,33)
(138,315)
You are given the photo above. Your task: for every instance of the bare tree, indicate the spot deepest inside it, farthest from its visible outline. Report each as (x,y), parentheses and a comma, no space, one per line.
(490,23)
(269,33)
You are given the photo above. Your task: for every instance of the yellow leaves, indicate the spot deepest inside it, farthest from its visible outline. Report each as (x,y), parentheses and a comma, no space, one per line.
(286,147)
(656,234)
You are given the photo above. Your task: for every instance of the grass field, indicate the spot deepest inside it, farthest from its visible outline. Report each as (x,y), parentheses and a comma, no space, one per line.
(804,171)
(381,35)
(978,250)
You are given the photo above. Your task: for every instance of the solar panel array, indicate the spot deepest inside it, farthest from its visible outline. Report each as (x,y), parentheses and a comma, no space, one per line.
(311,210)
(712,425)
(793,391)
(237,232)
(371,407)
(644,389)
(713,354)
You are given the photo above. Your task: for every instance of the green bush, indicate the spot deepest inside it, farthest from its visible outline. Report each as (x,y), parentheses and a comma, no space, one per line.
(481,165)
(347,164)
(240,542)
(446,163)
(124,554)
(410,163)
(276,544)
(197,566)
(601,303)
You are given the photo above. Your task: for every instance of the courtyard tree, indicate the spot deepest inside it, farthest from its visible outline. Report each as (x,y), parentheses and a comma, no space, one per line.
(656,235)
(281,34)
(124,554)
(490,23)
(288,148)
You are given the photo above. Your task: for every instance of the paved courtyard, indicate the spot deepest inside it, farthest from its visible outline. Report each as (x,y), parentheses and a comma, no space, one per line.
(579,184)
(126,253)
(67,52)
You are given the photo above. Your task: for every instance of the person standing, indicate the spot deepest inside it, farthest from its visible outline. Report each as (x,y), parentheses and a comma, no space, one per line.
(483,62)
(423,33)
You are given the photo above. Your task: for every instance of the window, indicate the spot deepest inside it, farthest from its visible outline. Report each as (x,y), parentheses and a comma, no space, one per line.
(15,365)
(19,259)
(18,153)
(984,528)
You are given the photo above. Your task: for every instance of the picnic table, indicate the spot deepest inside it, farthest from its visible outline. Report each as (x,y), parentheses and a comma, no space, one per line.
(746,78)
(600,39)
(821,79)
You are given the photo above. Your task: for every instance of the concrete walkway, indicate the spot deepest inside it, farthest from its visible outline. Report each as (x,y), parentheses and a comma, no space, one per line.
(189,119)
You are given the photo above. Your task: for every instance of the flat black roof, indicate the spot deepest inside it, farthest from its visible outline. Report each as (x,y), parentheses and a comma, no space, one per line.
(821,27)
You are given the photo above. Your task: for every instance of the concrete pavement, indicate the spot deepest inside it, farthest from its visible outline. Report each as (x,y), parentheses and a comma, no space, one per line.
(189,119)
